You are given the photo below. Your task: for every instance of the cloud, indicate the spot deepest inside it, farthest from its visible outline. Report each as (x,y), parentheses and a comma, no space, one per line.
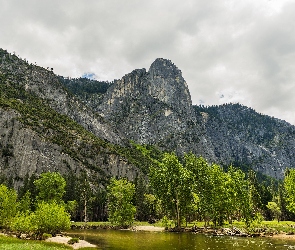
(243,50)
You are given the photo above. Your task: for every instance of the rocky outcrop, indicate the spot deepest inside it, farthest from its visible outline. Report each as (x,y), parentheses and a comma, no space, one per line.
(46,85)
(245,138)
(154,107)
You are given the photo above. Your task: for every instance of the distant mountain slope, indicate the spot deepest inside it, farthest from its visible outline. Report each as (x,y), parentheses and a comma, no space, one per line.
(244,137)
(46,85)
(89,91)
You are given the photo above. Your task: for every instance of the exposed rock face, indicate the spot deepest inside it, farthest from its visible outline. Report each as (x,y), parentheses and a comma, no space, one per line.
(47,86)
(155,107)
(23,151)
(243,137)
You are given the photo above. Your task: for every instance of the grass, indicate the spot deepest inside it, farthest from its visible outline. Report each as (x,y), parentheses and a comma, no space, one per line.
(10,243)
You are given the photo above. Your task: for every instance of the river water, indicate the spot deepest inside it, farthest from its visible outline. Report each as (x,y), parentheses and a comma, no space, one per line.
(128,240)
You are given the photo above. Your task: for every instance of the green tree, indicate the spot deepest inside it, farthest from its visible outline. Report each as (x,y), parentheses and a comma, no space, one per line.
(254,196)
(275,210)
(152,207)
(171,183)
(120,207)
(238,204)
(51,187)
(140,190)
(289,184)
(202,185)
(8,205)
(48,218)
(85,197)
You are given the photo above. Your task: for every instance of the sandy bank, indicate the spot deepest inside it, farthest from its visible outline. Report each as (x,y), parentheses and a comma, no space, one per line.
(148,228)
(64,240)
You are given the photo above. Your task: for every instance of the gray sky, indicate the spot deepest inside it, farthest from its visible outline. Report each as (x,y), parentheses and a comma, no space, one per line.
(228,50)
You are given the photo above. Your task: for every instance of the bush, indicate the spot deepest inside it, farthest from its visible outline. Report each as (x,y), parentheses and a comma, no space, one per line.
(22,223)
(49,218)
(45,236)
(73,241)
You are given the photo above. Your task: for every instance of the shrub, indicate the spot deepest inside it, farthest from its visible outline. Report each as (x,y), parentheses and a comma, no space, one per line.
(73,241)
(45,236)
(51,218)
(22,223)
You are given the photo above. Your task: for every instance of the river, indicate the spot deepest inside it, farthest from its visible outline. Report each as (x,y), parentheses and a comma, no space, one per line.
(129,240)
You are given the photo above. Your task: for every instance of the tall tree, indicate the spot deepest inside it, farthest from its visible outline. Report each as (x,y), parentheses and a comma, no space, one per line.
(289,184)
(172,185)
(51,187)
(120,207)
(8,205)
(140,191)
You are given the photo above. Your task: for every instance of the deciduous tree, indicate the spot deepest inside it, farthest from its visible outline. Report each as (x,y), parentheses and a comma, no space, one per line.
(120,207)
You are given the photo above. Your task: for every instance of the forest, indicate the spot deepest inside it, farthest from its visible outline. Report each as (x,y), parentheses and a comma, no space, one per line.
(177,190)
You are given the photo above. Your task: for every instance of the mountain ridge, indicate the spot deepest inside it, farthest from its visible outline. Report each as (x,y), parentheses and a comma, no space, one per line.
(147,107)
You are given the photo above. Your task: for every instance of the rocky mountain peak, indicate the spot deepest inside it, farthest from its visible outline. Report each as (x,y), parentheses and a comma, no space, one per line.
(164,68)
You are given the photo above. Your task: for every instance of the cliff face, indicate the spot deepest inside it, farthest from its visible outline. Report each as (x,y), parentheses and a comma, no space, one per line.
(244,137)
(46,85)
(154,107)
(45,128)
(25,151)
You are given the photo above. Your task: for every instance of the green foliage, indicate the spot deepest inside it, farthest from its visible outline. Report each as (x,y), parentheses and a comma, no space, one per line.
(50,218)
(172,185)
(8,205)
(51,187)
(46,236)
(166,222)
(289,184)
(72,207)
(23,223)
(120,207)
(73,241)
(275,210)
(85,87)
(25,203)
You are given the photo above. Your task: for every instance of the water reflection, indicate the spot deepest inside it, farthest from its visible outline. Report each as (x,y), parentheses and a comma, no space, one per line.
(127,240)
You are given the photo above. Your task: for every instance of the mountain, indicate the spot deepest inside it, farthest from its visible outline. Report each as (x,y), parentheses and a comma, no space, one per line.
(50,122)
(43,127)
(245,138)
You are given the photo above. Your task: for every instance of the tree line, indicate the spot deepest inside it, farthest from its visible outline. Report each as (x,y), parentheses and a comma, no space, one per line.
(176,189)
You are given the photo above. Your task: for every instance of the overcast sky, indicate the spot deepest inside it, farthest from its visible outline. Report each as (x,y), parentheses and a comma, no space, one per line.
(227,50)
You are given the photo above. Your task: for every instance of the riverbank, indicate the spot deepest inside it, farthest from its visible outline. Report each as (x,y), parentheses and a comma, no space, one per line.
(65,240)
(12,242)
(282,229)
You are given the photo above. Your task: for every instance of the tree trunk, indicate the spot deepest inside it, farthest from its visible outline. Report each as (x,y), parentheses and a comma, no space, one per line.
(178,212)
